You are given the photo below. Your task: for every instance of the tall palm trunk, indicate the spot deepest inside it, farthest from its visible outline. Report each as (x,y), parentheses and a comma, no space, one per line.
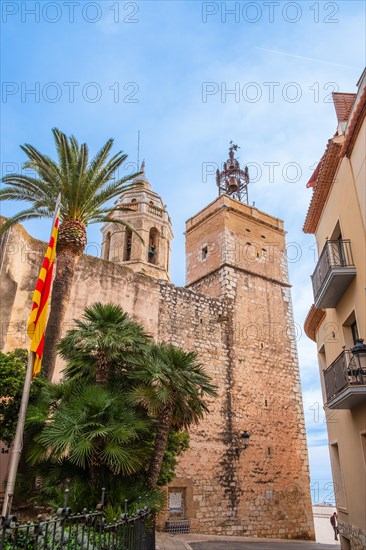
(65,269)
(165,422)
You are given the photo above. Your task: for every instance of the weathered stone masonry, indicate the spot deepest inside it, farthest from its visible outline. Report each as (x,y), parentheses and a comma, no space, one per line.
(236,313)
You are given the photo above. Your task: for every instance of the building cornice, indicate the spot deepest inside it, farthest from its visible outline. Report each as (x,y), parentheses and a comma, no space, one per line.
(312,322)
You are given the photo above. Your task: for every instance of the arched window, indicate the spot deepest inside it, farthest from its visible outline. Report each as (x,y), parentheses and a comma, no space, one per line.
(107,246)
(153,248)
(128,246)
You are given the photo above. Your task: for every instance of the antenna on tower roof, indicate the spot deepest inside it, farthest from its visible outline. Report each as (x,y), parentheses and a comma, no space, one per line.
(138,149)
(233,180)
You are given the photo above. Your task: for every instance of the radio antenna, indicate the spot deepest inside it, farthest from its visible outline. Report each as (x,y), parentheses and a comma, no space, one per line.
(138,149)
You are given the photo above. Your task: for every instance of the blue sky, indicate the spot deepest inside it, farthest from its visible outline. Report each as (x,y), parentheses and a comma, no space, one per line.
(108,69)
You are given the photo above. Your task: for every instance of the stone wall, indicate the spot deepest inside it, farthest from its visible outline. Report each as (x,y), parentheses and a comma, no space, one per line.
(352,537)
(266,485)
(227,317)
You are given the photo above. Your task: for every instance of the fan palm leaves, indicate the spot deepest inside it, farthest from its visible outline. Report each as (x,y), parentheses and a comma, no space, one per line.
(86,186)
(101,343)
(170,384)
(89,427)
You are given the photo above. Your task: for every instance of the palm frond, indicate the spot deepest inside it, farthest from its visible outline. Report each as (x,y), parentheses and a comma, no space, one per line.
(86,186)
(23,216)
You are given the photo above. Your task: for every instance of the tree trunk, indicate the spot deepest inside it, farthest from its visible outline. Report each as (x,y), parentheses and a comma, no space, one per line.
(102,369)
(66,262)
(165,421)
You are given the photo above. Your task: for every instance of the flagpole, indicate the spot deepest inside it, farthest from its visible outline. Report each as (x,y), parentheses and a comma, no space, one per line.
(18,440)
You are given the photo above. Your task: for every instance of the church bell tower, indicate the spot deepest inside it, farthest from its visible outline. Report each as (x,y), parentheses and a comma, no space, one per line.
(144,247)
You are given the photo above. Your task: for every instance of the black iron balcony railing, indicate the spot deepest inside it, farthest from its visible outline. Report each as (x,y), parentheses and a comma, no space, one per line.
(333,273)
(343,374)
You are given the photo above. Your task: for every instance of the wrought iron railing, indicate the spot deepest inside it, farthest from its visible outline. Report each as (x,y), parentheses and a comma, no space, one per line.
(341,374)
(334,254)
(86,531)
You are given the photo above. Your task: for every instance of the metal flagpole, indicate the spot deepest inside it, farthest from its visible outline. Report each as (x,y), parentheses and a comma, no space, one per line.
(18,440)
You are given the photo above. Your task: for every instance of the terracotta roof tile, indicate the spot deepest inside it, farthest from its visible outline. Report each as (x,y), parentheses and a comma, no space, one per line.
(314,177)
(343,104)
(322,187)
(354,125)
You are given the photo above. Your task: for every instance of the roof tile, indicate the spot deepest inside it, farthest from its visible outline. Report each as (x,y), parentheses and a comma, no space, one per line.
(343,103)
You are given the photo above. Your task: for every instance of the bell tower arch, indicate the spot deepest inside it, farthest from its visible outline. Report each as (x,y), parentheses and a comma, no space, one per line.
(144,246)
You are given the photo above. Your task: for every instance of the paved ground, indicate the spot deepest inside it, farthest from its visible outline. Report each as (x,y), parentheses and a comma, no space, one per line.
(257,546)
(323,530)
(205,542)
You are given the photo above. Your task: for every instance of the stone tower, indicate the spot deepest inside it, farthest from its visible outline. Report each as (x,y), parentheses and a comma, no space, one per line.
(146,213)
(246,471)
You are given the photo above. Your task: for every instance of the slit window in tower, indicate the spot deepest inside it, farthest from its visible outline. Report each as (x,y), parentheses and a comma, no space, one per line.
(128,246)
(152,254)
(107,246)
(204,252)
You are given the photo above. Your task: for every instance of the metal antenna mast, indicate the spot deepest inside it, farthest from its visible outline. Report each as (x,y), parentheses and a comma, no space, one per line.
(138,149)
(232,180)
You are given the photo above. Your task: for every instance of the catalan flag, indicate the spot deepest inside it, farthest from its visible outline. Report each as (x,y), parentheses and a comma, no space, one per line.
(41,297)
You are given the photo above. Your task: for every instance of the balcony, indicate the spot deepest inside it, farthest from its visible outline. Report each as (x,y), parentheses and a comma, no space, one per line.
(345,382)
(155,210)
(135,206)
(333,273)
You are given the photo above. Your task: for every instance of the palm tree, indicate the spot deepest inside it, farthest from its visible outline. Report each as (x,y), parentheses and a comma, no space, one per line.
(86,186)
(87,429)
(171,385)
(101,344)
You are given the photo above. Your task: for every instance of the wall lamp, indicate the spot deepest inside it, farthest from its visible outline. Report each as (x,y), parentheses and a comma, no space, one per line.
(244,442)
(357,364)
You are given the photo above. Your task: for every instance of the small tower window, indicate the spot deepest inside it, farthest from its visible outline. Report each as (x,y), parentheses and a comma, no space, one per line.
(152,254)
(107,246)
(128,246)
(204,252)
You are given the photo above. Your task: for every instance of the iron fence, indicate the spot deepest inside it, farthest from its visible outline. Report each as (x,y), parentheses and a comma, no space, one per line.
(85,531)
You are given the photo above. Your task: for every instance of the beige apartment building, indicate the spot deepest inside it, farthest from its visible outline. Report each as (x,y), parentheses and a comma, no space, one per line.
(336,320)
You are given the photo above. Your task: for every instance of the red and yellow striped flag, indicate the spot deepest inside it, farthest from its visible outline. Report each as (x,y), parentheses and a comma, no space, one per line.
(41,297)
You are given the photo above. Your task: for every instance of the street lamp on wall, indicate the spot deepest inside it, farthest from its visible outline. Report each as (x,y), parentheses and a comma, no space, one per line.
(358,361)
(244,437)
(243,443)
